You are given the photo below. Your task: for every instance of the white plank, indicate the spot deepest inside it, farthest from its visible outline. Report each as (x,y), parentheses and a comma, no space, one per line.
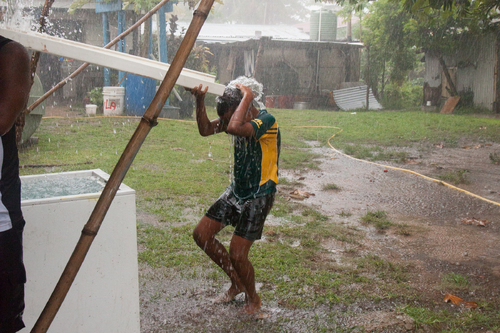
(109,58)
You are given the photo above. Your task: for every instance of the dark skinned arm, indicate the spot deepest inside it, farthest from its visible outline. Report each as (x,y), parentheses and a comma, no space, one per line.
(238,125)
(15,84)
(205,126)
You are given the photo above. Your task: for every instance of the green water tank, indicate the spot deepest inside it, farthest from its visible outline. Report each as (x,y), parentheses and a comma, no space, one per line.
(328,28)
(34,118)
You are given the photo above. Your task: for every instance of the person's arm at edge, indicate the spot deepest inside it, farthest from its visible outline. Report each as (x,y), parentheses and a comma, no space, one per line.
(205,126)
(238,125)
(15,84)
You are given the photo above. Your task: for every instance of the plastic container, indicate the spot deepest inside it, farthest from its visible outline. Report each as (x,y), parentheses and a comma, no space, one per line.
(140,92)
(324,28)
(105,294)
(113,100)
(301,105)
(90,109)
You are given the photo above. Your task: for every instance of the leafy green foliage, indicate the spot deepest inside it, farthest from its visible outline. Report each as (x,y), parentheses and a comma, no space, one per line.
(392,55)
(95,96)
(199,57)
(467,8)
(402,96)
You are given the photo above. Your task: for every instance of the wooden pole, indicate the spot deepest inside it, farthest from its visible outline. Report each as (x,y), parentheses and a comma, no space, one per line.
(85,65)
(367,77)
(453,90)
(147,122)
(259,54)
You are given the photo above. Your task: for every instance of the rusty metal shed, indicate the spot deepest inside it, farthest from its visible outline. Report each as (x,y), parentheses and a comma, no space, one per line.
(284,59)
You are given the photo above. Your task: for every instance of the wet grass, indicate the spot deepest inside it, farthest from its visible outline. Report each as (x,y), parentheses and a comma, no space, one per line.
(455,177)
(386,128)
(177,174)
(345,213)
(455,280)
(331,187)
(444,320)
(495,158)
(375,153)
(378,219)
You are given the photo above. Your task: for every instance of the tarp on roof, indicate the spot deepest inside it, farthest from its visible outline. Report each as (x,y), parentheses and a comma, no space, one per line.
(355,98)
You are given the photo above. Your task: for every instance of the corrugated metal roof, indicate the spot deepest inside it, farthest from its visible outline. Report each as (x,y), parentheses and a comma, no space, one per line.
(355,98)
(224,33)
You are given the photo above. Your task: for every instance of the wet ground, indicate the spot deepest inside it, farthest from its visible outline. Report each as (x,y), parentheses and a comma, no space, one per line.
(439,242)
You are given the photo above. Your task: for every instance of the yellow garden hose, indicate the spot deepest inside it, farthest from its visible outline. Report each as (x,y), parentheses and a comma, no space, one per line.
(331,146)
(396,168)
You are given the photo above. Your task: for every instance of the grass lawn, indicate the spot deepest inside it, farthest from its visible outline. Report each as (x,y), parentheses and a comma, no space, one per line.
(178,173)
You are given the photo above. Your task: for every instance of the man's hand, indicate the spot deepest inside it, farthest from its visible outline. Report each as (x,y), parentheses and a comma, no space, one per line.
(199,93)
(246,91)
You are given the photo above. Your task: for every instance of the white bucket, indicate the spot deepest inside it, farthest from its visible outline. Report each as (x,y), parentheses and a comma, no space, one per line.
(113,100)
(90,109)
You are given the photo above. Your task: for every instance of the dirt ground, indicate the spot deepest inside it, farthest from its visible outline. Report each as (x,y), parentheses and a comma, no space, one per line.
(442,243)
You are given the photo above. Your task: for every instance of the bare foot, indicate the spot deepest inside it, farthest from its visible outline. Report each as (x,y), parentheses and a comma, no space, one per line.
(252,307)
(228,296)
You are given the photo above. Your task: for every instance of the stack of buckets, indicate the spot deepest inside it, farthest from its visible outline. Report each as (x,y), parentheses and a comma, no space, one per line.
(113,100)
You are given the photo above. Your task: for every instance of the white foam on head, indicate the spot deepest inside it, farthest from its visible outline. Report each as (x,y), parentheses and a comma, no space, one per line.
(254,85)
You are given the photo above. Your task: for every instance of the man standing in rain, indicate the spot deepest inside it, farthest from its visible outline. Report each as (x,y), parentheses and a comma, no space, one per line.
(15,85)
(247,201)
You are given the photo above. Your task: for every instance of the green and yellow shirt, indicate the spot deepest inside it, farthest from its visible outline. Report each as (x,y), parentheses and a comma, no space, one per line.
(256,158)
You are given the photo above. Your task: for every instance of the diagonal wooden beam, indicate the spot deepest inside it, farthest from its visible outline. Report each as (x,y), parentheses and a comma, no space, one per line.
(147,122)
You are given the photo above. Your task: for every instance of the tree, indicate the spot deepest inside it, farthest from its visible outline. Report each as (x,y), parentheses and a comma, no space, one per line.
(438,27)
(348,10)
(392,53)
(485,9)
(480,8)
(445,33)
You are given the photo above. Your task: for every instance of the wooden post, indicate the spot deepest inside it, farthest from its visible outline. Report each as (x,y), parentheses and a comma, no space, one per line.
(259,55)
(453,89)
(105,39)
(367,77)
(147,122)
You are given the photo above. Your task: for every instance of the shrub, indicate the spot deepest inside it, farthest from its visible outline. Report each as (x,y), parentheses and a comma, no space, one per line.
(401,97)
